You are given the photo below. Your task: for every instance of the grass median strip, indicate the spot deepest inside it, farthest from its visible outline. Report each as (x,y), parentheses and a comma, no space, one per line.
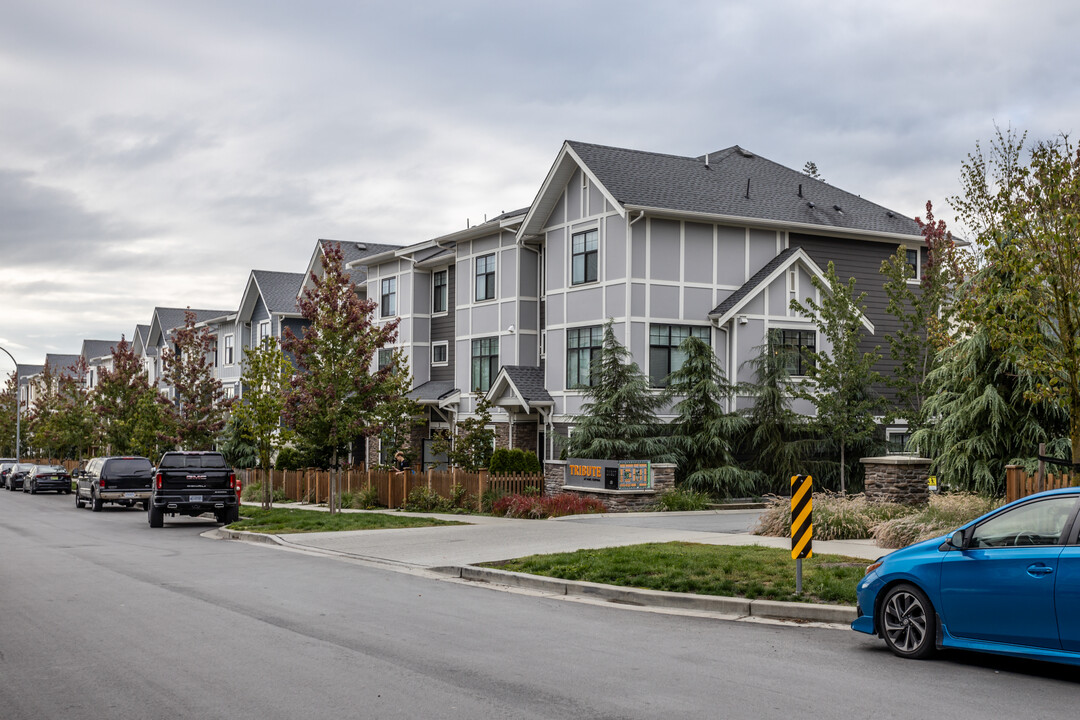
(749,571)
(292,520)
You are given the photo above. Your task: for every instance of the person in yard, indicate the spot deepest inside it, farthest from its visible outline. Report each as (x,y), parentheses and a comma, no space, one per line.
(400,463)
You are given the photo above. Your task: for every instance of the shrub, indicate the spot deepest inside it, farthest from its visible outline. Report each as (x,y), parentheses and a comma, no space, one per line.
(683,500)
(289,458)
(252,492)
(527,506)
(516,461)
(361,499)
(422,499)
(941,516)
(836,517)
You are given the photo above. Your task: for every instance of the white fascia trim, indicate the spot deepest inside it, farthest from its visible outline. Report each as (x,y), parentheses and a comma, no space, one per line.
(808,228)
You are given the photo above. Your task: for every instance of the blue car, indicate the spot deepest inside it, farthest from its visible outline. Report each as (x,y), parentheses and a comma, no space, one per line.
(1007,583)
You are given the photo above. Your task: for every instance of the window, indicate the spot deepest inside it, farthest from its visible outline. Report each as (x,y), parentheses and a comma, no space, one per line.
(797,347)
(1035,523)
(581,345)
(896,440)
(439,352)
(438,291)
(664,354)
(584,260)
(386,356)
(264,331)
(913,264)
(228,352)
(214,350)
(389,297)
(485,277)
(485,363)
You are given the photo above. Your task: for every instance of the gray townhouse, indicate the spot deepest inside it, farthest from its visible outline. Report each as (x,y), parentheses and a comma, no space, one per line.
(715,246)
(159,337)
(145,354)
(58,364)
(97,354)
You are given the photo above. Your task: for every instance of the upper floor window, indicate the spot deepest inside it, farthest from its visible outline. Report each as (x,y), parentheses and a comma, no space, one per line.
(386,356)
(665,357)
(485,363)
(228,352)
(439,353)
(913,264)
(264,331)
(582,345)
(388,302)
(584,260)
(485,277)
(439,291)
(796,346)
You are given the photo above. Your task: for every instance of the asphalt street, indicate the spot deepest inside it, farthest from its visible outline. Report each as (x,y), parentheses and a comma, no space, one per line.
(102,617)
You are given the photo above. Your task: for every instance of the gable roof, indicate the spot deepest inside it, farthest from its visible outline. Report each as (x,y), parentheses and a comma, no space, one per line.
(168,319)
(279,291)
(524,383)
(61,364)
(92,349)
(774,269)
(435,392)
(735,186)
(351,252)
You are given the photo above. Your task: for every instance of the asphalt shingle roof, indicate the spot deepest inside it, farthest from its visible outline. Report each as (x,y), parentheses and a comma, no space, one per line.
(279,289)
(735,183)
(61,364)
(529,381)
(432,391)
(98,348)
(752,284)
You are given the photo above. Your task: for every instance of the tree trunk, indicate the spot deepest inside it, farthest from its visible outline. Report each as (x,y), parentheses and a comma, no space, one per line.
(267,491)
(332,483)
(843,467)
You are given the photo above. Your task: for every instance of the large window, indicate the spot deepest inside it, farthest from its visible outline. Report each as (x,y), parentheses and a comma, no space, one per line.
(438,291)
(584,261)
(581,346)
(485,363)
(664,354)
(388,301)
(485,277)
(796,346)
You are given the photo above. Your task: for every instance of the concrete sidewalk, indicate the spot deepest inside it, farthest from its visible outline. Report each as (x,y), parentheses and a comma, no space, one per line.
(455,550)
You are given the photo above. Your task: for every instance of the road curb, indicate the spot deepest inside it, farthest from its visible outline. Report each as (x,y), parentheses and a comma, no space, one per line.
(771,609)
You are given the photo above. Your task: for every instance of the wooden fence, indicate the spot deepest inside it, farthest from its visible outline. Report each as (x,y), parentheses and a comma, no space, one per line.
(313,486)
(1019,484)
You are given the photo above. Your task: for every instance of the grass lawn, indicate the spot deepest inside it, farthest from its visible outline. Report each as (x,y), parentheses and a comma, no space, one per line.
(735,571)
(293,520)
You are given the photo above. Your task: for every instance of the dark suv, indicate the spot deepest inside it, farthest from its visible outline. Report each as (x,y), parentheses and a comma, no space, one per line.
(121,480)
(193,483)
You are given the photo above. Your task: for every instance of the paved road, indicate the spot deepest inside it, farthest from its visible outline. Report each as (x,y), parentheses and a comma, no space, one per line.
(104,618)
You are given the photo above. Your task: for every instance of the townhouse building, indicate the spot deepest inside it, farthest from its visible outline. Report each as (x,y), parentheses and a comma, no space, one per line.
(665,246)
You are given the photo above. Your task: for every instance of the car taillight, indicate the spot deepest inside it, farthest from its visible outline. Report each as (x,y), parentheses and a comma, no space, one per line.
(234,483)
(101,483)
(159,481)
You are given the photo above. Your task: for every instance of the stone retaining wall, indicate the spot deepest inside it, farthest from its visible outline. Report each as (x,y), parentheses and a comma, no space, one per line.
(663,475)
(897,479)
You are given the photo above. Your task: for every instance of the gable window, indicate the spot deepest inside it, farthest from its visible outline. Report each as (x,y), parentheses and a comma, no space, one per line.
(485,363)
(228,352)
(664,354)
(439,291)
(264,331)
(797,347)
(388,302)
(582,345)
(439,353)
(485,277)
(584,260)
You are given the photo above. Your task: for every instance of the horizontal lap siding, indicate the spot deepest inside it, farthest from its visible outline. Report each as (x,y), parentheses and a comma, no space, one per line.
(443,330)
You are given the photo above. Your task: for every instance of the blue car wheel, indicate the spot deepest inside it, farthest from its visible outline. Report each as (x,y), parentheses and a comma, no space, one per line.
(908,622)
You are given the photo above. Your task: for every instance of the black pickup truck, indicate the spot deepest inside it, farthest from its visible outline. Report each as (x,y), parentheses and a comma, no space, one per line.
(193,483)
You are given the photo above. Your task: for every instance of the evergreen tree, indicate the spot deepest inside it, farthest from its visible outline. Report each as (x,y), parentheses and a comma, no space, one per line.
(332,399)
(198,412)
(618,420)
(128,417)
(841,378)
(237,443)
(703,435)
(267,373)
(398,414)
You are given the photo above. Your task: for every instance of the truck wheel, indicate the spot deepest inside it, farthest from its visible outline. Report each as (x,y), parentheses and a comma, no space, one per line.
(79,502)
(96,503)
(156,516)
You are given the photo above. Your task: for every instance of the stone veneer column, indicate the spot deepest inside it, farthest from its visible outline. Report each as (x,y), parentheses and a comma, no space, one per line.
(897,479)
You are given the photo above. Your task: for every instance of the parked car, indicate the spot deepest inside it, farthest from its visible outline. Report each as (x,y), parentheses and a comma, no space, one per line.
(5,467)
(193,483)
(16,475)
(1007,583)
(121,480)
(47,477)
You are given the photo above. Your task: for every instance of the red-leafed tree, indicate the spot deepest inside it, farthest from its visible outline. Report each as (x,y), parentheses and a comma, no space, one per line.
(333,398)
(129,416)
(197,410)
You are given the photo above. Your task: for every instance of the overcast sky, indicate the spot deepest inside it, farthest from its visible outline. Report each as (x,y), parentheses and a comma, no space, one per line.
(153,153)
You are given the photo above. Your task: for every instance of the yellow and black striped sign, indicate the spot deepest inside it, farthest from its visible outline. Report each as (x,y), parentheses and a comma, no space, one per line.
(802,516)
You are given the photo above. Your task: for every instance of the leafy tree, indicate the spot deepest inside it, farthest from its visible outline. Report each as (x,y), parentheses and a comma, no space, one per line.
(8,398)
(473,442)
(925,316)
(618,420)
(129,418)
(332,399)
(704,436)
(197,414)
(267,373)
(840,379)
(42,427)
(1025,218)
(398,414)
(74,422)
(985,419)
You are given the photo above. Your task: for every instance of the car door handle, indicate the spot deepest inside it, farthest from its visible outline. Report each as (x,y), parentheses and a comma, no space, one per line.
(1039,569)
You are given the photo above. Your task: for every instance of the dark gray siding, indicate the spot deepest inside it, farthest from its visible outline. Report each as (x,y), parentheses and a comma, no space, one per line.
(443,329)
(297,326)
(861,260)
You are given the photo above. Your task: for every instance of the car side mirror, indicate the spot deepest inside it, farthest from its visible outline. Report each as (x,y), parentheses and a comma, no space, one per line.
(957,541)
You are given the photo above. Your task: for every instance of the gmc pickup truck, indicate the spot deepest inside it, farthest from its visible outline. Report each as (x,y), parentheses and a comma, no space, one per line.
(193,483)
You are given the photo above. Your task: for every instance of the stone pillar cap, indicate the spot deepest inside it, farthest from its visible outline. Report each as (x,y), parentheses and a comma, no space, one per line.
(896,460)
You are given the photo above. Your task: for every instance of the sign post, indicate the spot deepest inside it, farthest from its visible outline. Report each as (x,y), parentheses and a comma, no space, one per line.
(802,524)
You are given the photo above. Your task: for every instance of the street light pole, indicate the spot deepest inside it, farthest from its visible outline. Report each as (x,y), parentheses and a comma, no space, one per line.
(17,413)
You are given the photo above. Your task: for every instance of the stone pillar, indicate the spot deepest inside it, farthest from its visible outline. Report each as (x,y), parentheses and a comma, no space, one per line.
(554,476)
(897,479)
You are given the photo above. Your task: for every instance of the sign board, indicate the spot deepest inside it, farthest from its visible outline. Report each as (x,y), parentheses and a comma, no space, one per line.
(932,483)
(609,474)
(802,516)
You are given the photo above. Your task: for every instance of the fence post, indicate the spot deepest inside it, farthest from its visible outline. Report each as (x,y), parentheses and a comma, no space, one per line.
(1012,482)
(1042,467)
(482,486)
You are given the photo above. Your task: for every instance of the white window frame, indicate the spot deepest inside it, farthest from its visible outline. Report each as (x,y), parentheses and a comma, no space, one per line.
(230,351)
(445,345)
(494,275)
(262,332)
(918,265)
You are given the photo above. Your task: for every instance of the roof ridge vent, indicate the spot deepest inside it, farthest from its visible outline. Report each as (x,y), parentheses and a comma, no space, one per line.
(744,152)
(361,246)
